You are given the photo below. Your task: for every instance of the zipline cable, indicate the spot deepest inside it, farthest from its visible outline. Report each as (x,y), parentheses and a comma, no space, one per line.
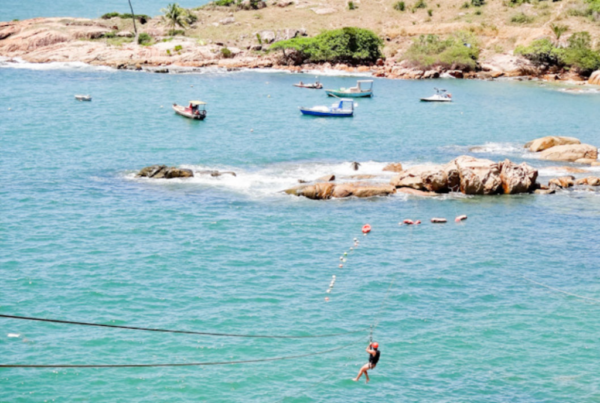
(189,364)
(258,336)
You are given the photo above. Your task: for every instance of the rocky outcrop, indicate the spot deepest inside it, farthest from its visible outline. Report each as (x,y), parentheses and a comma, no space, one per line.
(590,181)
(544,143)
(214,173)
(478,176)
(595,78)
(570,152)
(563,182)
(324,191)
(164,172)
(517,178)
(432,178)
(585,161)
(394,167)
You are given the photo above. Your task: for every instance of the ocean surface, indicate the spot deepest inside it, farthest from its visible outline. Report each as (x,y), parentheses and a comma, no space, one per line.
(25,9)
(501,307)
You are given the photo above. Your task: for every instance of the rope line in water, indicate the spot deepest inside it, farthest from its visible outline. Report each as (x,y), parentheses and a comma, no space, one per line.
(258,336)
(190,364)
(560,291)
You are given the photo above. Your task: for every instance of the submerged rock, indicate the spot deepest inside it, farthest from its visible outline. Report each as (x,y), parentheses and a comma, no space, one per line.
(324,191)
(563,182)
(215,174)
(162,171)
(590,181)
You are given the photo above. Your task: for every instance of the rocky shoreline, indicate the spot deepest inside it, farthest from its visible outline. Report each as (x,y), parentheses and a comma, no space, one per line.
(46,40)
(465,174)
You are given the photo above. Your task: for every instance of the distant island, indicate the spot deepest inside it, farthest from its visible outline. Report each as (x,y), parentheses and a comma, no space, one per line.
(551,40)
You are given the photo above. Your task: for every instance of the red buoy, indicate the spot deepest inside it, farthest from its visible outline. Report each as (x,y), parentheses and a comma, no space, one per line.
(408,222)
(417,222)
(460,218)
(366,229)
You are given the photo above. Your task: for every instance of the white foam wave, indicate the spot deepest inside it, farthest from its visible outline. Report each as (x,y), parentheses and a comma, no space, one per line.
(580,91)
(271,180)
(18,63)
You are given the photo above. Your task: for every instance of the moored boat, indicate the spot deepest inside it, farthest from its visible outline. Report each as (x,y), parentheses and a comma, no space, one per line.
(83,97)
(363,89)
(343,108)
(196,110)
(315,86)
(441,95)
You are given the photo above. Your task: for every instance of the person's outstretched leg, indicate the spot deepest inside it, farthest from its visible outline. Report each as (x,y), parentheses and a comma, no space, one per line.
(363,370)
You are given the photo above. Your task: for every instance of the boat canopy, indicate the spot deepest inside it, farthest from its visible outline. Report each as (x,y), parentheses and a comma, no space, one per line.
(346,104)
(196,103)
(365,85)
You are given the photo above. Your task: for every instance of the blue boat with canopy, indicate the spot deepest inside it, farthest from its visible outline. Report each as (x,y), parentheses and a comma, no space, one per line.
(343,108)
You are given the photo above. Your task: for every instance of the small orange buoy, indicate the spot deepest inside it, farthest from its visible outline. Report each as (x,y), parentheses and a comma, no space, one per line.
(366,229)
(326,299)
(408,222)
(341,266)
(460,218)
(417,222)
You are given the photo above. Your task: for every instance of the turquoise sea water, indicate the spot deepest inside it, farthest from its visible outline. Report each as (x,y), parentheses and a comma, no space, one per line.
(82,239)
(25,9)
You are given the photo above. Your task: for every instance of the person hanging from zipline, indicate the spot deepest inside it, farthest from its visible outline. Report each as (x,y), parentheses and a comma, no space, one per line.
(373,360)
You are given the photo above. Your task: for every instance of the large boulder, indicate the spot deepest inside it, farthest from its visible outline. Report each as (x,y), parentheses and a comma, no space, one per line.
(590,181)
(151,171)
(433,178)
(562,182)
(478,176)
(595,78)
(570,152)
(173,172)
(544,143)
(517,178)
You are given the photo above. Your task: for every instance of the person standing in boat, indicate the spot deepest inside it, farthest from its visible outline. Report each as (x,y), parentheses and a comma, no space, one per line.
(374,354)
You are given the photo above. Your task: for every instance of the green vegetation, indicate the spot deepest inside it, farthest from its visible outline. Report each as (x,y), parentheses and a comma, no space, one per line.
(459,51)
(226,53)
(144,39)
(477,3)
(578,54)
(419,4)
(466,4)
(346,45)
(224,3)
(351,5)
(430,12)
(178,48)
(478,12)
(176,16)
(140,17)
(175,32)
(400,6)
(559,30)
(15,20)
(111,35)
(521,18)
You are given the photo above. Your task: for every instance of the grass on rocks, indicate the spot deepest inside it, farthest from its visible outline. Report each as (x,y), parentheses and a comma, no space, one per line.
(458,51)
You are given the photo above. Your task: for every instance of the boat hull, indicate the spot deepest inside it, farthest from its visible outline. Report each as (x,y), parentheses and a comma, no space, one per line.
(310,87)
(180,110)
(435,100)
(341,114)
(341,94)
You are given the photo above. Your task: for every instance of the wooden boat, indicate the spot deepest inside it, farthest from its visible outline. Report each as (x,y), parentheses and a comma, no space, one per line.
(363,89)
(441,95)
(196,110)
(316,86)
(83,97)
(343,108)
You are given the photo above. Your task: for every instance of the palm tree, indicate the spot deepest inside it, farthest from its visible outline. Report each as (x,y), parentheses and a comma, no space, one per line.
(174,16)
(559,30)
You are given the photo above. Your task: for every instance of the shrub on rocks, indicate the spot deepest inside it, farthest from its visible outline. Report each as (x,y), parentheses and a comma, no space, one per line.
(346,45)
(459,51)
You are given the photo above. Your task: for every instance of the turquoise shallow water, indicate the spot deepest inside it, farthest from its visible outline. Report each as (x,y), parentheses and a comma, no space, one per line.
(82,239)
(25,9)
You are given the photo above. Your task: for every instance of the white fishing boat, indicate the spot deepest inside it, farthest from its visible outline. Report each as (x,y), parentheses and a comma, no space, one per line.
(441,95)
(83,97)
(196,110)
(363,89)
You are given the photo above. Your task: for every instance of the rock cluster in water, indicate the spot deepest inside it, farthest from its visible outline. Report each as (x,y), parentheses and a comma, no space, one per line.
(557,148)
(165,172)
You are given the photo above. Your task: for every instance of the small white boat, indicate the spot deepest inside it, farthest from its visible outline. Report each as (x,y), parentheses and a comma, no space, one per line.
(83,97)
(196,110)
(441,95)
(343,108)
(315,86)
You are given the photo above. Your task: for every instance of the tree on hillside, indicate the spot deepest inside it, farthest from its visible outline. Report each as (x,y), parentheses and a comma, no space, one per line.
(175,15)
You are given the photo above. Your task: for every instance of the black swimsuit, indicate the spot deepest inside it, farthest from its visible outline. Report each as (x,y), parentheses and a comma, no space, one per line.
(374,359)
